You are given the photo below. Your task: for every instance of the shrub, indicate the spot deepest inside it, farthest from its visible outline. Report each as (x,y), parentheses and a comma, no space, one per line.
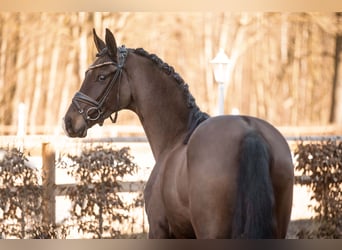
(20,196)
(96,205)
(321,164)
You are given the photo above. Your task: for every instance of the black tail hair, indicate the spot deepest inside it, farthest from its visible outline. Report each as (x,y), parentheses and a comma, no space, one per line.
(253,216)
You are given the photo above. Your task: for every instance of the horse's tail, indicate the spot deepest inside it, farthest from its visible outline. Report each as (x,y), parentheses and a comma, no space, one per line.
(253,216)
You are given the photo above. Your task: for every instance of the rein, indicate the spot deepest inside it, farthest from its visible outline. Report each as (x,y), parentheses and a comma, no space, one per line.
(96,107)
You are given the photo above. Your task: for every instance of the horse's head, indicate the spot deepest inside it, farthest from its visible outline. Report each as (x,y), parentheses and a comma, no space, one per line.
(103,91)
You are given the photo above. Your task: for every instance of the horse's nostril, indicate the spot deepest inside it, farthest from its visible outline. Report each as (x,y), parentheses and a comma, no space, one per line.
(67,124)
(67,121)
(74,126)
(64,124)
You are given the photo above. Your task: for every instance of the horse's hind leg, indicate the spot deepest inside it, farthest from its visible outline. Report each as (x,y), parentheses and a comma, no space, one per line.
(212,190)
(283,187)
(283,212)
(210,207)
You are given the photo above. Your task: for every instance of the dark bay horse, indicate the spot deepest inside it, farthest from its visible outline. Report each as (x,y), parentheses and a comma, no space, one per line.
(219,177)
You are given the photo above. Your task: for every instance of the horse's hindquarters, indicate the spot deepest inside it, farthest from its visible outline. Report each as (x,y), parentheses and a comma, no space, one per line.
(213,164)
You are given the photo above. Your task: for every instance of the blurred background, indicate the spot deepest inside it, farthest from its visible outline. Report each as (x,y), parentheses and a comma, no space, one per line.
(285,66)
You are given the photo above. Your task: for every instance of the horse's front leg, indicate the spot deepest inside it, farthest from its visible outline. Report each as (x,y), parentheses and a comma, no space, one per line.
(158,225)
(159,229)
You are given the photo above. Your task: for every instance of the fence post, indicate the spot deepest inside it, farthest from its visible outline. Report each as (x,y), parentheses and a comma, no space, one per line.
(48,179)
(21,126)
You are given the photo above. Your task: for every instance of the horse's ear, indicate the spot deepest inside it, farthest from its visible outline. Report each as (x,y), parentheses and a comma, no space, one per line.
(100,45)
(111,44)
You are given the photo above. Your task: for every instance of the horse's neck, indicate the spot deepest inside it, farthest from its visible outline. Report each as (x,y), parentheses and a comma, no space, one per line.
(161,140)
(164,126)
(162,110)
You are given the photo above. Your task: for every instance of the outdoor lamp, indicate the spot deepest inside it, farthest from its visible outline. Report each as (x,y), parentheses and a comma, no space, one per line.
(221,64)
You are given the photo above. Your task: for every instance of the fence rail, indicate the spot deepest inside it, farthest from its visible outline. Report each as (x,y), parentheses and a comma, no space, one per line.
(137,130)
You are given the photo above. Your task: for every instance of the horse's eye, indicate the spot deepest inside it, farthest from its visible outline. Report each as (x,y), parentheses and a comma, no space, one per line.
(101,78)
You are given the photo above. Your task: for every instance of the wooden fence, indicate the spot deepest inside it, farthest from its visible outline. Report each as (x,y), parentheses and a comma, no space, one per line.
(51,189)
(48,149)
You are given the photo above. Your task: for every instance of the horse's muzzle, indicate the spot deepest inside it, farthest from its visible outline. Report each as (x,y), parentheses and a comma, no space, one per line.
(72,130)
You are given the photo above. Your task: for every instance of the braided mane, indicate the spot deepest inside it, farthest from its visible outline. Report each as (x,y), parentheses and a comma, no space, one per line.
(196,116)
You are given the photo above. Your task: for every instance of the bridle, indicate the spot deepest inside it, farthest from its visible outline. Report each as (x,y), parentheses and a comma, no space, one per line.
(97,106)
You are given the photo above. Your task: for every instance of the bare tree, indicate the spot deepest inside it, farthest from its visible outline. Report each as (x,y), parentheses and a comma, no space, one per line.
(336,106)
(286,65)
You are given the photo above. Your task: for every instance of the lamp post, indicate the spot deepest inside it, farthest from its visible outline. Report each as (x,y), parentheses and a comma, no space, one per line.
(221,65)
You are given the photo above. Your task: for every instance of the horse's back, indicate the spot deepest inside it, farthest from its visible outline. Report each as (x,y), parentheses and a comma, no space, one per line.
(223,134)
(213,164)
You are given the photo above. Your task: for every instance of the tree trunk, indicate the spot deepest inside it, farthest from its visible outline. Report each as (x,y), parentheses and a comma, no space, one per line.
(336,106)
